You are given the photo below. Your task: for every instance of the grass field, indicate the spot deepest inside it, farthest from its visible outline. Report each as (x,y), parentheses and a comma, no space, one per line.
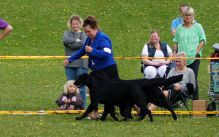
(35,84)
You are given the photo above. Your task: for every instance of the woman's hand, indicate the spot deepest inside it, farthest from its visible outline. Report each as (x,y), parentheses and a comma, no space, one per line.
(88,49)
(66,62)
(177,87)
(68,101)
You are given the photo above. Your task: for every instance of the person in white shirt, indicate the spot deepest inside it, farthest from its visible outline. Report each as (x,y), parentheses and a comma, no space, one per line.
(154,48)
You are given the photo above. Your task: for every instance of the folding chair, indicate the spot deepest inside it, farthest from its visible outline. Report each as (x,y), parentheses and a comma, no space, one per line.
(178,99)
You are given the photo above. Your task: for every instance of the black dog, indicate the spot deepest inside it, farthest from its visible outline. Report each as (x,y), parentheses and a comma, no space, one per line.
(111,93)
(151,89)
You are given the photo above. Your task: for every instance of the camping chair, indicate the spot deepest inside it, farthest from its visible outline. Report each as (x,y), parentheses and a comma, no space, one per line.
(180,100)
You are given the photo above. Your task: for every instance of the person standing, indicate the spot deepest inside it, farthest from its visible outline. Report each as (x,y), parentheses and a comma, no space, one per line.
(98,47)
(73,40)
(6,27)
(177,21)
(190,38)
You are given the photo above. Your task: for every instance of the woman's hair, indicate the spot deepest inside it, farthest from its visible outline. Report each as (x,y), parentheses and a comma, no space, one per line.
(69,82)
(149,41)
(182,5)
(154,31)
(91,21)
(181,55)
(74,17)
(189,11)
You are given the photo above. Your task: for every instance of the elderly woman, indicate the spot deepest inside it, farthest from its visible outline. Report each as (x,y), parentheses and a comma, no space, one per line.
(188,77)
(155,48)
(190,38)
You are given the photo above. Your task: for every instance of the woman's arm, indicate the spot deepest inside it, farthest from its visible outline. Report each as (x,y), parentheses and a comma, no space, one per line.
(149,62)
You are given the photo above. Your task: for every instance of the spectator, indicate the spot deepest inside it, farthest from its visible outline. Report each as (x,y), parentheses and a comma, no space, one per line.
(176,22)
(70,98)
(188,77)
(190,38)
(98,47)
(6,27)
(73,40)
(155,48)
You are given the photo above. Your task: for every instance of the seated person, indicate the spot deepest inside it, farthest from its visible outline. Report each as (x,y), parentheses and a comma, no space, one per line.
(188,77)
(155,48)
(70,99)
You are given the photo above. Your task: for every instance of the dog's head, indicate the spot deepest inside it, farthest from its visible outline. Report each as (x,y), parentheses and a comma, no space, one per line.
(83,79)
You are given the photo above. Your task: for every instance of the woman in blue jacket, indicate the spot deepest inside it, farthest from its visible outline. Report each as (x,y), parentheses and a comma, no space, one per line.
(98,48)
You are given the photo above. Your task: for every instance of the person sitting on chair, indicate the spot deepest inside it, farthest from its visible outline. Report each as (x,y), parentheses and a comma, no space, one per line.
(185,87)
(155,48)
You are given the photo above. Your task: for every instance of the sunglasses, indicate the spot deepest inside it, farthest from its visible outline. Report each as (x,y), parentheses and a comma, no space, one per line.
(188,15)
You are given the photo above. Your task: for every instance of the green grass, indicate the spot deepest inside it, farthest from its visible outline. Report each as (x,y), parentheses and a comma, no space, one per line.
(35,84)
(65,125)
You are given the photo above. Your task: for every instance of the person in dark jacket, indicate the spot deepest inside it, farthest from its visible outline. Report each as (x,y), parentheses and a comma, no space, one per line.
(70,99)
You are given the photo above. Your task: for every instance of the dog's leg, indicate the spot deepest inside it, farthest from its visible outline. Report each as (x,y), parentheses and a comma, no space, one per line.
(113,114)
(143,110)
(141,103)
(90,108)
(125,111)
(105,112)
(150,115)
(167,106)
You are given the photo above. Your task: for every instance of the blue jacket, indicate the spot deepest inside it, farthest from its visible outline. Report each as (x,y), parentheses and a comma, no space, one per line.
(101,55)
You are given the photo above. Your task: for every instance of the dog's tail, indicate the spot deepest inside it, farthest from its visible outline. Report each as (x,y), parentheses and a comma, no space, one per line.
(162,82)
(172,80)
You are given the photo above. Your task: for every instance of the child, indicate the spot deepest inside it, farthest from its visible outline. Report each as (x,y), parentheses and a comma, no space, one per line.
(70,98)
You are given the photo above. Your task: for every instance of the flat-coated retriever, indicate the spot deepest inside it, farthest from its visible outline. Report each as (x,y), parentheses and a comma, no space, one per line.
(111,93)
(151,89)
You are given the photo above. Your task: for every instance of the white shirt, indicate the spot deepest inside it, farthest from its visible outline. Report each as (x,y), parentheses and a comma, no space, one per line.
(158,53)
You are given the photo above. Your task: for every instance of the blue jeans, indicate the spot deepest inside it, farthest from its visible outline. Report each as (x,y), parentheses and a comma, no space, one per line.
(72,73)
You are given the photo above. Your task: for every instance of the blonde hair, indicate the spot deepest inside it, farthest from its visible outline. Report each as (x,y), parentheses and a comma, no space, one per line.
(189,11)
(74,17)
(181,55)
(69,82)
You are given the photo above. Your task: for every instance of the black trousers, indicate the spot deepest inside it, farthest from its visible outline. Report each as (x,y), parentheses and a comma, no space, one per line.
(111,71)
(195,67)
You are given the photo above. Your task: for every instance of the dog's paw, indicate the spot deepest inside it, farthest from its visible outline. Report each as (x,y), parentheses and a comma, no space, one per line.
(102,119)
(174,117)
(79,118)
